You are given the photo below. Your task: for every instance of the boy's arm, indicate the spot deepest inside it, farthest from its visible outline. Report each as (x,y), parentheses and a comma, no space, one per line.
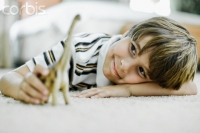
(152,89)
(143,89)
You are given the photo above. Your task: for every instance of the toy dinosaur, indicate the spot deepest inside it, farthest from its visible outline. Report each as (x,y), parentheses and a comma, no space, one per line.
(57,77)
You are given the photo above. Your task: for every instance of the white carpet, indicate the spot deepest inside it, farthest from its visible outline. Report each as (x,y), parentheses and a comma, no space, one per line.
(166,114)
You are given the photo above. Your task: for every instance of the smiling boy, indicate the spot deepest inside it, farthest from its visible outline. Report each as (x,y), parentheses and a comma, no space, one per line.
(123,64)
(155,57)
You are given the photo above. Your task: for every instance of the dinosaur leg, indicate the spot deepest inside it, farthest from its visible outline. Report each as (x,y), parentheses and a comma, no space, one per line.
(48,84)
(65,88)
(54,96)
(56,87)
(65,93)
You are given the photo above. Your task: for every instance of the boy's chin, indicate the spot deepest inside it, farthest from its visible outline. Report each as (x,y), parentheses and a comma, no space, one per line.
(115,81)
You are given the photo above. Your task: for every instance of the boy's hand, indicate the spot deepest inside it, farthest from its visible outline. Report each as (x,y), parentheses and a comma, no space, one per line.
(105,92)
(31,89)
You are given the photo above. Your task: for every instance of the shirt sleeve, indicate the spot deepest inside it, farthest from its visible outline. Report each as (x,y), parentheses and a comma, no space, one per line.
(47,58)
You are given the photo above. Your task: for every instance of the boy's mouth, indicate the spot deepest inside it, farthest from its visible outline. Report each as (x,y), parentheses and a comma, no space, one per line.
(114,69)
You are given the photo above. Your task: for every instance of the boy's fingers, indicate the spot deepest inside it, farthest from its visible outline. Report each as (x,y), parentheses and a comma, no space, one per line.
(103,94)
(82,93)
(32,92)
(25,98)
(89,93)
(41,70)
(85,91)
(94,93)
(36,83)
(89,90)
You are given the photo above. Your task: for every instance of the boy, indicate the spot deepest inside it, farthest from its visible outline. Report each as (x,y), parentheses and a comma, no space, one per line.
(155,57)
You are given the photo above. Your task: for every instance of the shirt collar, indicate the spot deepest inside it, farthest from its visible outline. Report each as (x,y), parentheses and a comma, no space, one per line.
(101,80)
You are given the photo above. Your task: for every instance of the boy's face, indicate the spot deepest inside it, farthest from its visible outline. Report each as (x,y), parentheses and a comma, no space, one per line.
(124,65)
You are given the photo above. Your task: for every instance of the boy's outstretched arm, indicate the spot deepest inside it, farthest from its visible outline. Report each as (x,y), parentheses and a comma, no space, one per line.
(143,89)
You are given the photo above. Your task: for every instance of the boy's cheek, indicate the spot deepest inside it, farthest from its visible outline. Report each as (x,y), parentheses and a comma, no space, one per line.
(106,72)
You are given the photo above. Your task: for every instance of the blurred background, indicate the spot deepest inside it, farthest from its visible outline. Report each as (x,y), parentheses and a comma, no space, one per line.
(28,27)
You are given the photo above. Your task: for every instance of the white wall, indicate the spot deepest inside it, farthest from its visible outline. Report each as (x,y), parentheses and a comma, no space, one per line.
(6,22)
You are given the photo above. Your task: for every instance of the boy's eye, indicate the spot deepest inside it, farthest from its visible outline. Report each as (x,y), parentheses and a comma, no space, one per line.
(133,49)
(142,71)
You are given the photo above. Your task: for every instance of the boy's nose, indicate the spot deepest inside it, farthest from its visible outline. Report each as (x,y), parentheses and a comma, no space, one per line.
(125,66)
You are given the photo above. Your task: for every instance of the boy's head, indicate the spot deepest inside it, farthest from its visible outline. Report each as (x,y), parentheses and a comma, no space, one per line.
(173,59)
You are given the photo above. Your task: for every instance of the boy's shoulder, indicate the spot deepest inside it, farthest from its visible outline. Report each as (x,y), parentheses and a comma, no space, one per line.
(87,46)
(88,37)
(86,34)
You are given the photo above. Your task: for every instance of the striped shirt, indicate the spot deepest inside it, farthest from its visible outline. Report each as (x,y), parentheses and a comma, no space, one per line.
(88,55)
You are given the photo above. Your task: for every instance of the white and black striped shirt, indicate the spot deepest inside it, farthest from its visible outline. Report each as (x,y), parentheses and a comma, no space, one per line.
(88,50)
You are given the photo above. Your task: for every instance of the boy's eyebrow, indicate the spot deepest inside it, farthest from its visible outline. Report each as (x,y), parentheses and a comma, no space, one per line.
(139,48)
(147,72)
(138,45)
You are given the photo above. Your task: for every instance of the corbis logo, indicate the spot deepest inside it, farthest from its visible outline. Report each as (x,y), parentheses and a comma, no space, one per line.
(27,8)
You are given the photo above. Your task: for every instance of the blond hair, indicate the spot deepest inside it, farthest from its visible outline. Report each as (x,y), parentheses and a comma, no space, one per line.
(173,60)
